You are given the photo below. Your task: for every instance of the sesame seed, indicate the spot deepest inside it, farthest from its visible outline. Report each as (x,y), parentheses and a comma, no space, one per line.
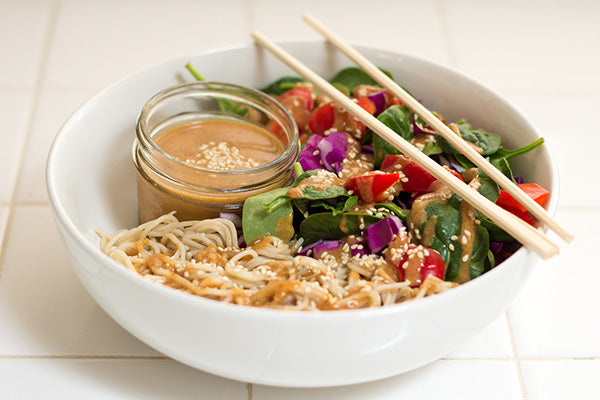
(451,247)
(465,258)
(463,240)
(454,238)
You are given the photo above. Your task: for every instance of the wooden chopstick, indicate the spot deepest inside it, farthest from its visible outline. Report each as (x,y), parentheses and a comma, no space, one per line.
(519,229)
(459,143)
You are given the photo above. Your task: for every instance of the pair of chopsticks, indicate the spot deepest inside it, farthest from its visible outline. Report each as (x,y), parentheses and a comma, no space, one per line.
(530,237)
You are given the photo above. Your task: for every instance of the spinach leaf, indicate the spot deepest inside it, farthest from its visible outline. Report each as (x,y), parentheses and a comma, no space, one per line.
(339,208)
(488,142)
(395,209)
(503,153)
(500,158)
(488,187)
(447,223)
(398,119)
(503,166)
(432,148)
(480,261)
(312,193)
(332,227)
(496,233)
(225,105)
(349,78)
(282,85)
(257,222)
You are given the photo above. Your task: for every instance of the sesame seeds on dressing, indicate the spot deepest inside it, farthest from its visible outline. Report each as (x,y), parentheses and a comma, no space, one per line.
(221,156)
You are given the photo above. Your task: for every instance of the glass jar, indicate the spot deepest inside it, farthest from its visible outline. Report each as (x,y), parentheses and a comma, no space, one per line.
(166,183)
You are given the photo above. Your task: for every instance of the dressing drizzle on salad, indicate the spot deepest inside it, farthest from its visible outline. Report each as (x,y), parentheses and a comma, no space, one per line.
(349,182)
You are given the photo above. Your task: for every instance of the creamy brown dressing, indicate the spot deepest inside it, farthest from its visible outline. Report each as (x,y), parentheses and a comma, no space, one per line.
(202,194)
(418,215)
(208,143)
(467,235)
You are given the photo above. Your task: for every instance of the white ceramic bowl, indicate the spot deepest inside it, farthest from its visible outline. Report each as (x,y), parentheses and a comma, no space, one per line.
(91,183)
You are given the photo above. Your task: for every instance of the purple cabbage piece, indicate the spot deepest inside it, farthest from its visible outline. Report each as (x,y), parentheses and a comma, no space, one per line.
(308,159)
(519,179)
(449,161)
(324,152)
(419,128)
(333,150)
(319,246)
(379,234)
(379,100)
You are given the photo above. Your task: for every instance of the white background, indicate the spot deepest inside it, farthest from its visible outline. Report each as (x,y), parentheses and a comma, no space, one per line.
(544,56)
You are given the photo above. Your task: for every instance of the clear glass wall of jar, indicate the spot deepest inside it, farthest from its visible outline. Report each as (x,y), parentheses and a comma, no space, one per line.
(166,183)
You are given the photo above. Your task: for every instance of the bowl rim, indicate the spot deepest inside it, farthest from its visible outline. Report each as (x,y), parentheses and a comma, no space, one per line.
(63,219)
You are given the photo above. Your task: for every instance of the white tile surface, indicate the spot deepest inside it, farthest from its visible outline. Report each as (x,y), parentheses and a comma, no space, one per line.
(15,109)
(111,379)
(571,139)
(397,35)
(54,54)
(445,379)
(106,40)
(52,109)
(526,45)
(563,379)
(44,309)
(556,314)
(23,26)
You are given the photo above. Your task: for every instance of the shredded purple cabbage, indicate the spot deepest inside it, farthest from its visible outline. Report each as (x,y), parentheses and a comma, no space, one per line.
(324,152)
(379,100)
(419,127)
(319,246)
(333,150)
(379,234)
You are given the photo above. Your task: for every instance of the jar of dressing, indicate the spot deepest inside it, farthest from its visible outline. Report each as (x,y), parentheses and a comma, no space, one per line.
(203,148)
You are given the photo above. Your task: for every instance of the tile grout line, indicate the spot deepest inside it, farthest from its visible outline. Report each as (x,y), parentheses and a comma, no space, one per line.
(250,389)
(81,357)
(249,20)
(515,355)
(48,34)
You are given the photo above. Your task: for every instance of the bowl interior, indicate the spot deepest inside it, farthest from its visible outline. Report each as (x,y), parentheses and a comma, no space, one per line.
(91,178)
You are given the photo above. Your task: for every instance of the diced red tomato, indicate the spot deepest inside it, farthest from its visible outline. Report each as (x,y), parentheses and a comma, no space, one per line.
(419,263)
(456,174)
(533,190)
(367,104)
(299,102)
(277,129)
(322,119)
(417,179)
(371,187)
(394,101)
(306,93)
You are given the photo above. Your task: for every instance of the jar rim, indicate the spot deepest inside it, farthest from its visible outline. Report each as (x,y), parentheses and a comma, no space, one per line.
(207,87)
